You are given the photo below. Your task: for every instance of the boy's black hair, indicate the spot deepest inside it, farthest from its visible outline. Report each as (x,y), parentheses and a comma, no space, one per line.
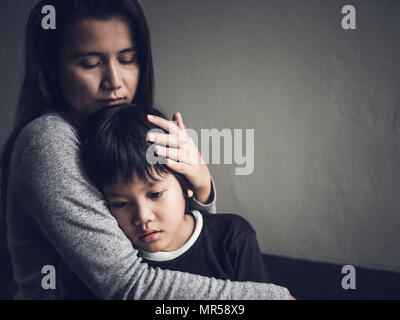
(114,145)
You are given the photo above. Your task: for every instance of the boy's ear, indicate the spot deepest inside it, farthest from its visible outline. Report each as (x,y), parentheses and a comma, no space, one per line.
(190,193)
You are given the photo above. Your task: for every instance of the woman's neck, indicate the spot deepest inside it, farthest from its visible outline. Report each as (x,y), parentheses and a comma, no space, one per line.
(74,117)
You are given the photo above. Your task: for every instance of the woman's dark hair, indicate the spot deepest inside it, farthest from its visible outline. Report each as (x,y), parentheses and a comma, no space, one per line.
(40,93)
(114,146)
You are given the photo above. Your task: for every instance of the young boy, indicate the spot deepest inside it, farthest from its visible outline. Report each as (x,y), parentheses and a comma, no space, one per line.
(150,203)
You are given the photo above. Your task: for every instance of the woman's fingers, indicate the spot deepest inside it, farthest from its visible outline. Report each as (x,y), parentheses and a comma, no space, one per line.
(179,155)
(178,135)
(179,167)
(171,153)
(179,120)
(163,138)
(165,124)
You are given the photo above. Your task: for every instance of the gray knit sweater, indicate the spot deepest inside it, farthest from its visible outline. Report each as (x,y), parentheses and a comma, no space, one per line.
(56,217)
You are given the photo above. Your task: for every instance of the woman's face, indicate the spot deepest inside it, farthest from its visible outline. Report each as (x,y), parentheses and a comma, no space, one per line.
(98,65)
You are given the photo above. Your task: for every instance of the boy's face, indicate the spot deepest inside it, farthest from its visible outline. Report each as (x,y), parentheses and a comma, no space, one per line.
(151,213)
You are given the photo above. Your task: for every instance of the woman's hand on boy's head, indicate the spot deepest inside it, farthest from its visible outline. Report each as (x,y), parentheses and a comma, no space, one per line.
(182,154)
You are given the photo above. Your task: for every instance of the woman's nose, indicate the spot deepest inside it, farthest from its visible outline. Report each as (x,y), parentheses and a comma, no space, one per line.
(112,77)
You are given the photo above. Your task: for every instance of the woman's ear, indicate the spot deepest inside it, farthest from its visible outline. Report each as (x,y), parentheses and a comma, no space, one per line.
(190,193)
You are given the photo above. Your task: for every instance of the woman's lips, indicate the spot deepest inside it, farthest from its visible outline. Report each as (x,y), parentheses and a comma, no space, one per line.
(112,102)
(149,237)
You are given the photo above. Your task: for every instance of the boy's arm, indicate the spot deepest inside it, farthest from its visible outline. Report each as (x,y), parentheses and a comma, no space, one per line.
(245,255)
(247,259)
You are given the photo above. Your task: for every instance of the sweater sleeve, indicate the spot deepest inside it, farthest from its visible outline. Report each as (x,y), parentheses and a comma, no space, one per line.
(209,207)
(53,191)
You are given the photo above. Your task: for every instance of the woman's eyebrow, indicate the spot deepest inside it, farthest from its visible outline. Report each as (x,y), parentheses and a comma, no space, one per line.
(86,54)
(131,49)
(98,53)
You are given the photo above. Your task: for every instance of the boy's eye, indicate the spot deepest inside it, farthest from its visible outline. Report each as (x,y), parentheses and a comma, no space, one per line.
(155,195)
(119,205)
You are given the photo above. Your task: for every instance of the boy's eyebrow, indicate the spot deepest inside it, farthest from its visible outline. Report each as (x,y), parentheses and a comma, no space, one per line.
(113,194)
(152,184)
(116,194)
(98,53)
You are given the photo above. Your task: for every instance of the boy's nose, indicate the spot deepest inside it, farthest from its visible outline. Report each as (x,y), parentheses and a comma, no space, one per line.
(144,215)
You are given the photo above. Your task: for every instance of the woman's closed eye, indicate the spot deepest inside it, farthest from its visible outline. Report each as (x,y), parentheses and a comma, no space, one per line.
(90,63)
(128,58)
(123,61)
(89,66)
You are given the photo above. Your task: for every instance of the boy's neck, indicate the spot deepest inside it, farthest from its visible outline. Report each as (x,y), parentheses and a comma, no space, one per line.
(196,220)
(187,229)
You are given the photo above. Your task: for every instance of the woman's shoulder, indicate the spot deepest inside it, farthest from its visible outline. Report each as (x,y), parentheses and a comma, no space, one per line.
(47,129)
(46,136)
(49,123)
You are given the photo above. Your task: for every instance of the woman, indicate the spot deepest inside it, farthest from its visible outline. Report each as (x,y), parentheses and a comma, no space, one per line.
(99,55)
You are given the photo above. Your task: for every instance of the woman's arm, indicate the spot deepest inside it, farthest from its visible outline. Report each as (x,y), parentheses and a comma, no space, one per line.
(211,205)
(182,155)
(71,214)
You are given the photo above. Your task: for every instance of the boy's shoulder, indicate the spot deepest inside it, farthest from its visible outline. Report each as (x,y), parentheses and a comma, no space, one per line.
(227,223)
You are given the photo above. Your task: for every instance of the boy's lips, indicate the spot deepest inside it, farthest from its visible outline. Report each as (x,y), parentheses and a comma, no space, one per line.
(149,235)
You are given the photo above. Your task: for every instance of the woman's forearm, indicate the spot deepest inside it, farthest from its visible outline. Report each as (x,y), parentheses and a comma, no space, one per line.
(209,206)
(52,191)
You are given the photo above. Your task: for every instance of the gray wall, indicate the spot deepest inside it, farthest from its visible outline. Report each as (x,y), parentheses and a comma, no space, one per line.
(324,104)
(11,31)
(12,15)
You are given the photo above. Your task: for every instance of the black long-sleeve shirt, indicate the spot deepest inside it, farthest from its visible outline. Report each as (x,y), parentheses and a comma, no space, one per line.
(226,248)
